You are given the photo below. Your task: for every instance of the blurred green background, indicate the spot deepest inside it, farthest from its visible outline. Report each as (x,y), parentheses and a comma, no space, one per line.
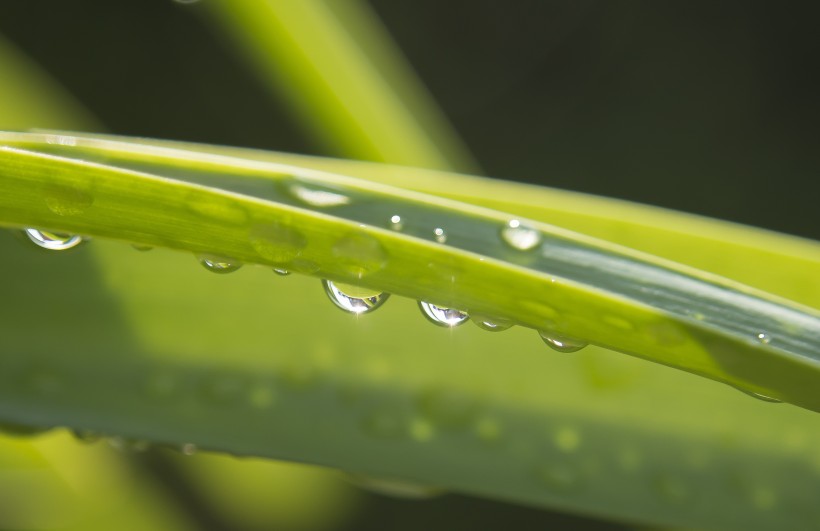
(705,107)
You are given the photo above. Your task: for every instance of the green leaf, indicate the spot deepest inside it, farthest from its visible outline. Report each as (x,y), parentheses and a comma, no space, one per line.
(256,365)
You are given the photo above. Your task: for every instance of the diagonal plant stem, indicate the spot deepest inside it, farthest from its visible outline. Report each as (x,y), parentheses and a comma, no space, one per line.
(341,73)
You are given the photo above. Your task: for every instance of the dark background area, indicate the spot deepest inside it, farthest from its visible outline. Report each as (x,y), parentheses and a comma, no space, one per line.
(706,107)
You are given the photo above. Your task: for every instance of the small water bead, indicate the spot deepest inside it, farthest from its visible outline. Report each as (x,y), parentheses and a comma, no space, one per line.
(396,222)
(354,299)
(491,324)
(520,237)
(53,241)
(441,236)
(317,197)
(218,264)
(442,316)
(764,338)
(281,272)
(561,343)
(188,449)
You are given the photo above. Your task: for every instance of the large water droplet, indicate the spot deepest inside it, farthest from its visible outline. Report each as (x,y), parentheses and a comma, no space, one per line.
(519,236)
(442,316)
(491,324)
(440,235)
(353,299)
(218,264)
(53,241)
(561,343)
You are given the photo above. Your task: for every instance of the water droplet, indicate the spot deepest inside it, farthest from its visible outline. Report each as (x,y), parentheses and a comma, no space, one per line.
(561,343)
(442,316)
(218,264)
(53,241)
(359,254)
(67,200)
(141,248)
(440,235)
(277,242)
(353,299)
(124,444)
(217,208)
(396,222)
(759,396)
(519,236)
(188,449)
(317,197)
(491,324)
(281,272)
(764,338)
(394,488)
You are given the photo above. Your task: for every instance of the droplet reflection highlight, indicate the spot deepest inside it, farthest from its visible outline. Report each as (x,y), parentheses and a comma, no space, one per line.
(519,236)
(53,241)
(218,264)
(441,316)
(561,343)
(352,299)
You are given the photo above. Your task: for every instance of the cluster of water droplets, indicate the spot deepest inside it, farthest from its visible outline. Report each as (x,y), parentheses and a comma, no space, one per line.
(358,300)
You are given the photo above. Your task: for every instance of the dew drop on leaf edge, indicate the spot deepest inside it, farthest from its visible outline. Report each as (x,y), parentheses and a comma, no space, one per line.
(346,297)
(443,316)
(218,264)
(561,343)
(53,241)
(491,324)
